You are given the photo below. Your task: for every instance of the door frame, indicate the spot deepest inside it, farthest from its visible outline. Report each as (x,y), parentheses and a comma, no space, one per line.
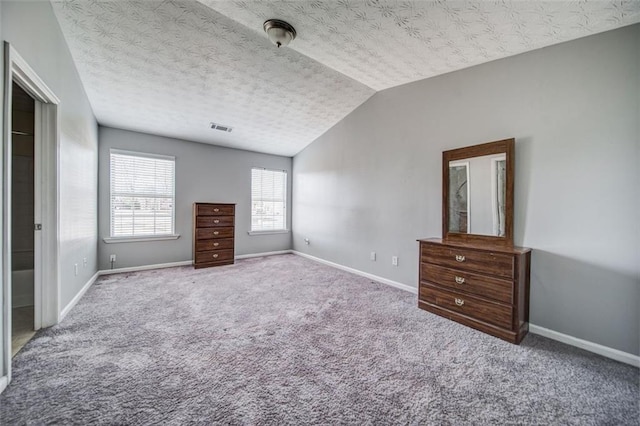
(46,181)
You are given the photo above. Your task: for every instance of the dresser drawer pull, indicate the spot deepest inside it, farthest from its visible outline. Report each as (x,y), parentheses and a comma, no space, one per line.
(215,255)
(460,258)
(216,244)
(215,232)
(459,302)
(216,221)
(460,280)
(216,210)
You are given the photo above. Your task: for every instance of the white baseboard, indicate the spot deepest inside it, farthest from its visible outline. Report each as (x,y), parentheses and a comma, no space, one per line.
(146,267)
(3,383)
(21,300)
(182,263)
(606,351)
(89,283)
(93,279)
(267,253)
(382,280)
(77,297)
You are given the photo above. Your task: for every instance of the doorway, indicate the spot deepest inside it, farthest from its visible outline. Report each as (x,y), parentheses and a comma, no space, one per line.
(22,218)
(35,218)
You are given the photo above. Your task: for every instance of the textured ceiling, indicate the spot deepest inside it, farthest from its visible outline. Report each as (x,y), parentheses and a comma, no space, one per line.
(171,67)
(385,43)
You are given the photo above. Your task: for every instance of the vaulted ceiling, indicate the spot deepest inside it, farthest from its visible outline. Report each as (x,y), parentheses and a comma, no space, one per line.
(172,67)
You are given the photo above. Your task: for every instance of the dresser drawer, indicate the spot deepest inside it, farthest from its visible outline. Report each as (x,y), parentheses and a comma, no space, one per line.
(213,256)
(488,312)
(460,280)
(206,233)
(214,210)
(468,259)
(214,244)
(212,221)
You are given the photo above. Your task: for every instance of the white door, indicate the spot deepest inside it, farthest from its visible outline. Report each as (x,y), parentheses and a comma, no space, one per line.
(46,289)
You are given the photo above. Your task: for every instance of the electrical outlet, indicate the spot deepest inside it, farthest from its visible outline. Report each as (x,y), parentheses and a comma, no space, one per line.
(394,260)
(373,256)
(75,268)
(84,262)
(306,241)
(112,258)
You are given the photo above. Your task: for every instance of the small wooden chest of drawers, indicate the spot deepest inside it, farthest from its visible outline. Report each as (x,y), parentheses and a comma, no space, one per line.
(213,234)
(484,287)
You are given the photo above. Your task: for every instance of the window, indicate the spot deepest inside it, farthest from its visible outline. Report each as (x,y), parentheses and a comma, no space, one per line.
(142,195)
(268,200)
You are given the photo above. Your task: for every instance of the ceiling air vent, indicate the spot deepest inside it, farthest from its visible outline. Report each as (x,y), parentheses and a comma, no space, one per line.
(221,127)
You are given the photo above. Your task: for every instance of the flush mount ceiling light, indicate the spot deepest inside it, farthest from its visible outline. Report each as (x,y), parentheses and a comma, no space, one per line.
(279,32)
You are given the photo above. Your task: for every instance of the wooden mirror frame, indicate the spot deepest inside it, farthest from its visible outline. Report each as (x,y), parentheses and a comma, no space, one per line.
(506,146)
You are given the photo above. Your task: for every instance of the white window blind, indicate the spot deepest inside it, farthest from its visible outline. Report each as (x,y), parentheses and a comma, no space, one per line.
(142,194)
(268,200)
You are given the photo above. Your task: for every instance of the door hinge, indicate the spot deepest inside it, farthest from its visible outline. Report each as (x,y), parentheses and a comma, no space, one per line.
(37,227)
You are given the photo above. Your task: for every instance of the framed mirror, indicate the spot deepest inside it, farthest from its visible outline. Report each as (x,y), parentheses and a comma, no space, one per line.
(477,193)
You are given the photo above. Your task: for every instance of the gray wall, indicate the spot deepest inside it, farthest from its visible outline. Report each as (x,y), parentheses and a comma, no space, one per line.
(373,182)
(204,173)
(33,30)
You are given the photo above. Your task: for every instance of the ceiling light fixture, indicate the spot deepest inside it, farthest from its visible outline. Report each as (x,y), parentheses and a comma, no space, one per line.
(280,33)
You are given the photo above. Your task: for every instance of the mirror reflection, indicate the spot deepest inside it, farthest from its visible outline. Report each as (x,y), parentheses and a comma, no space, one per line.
(459,196)
(477,195)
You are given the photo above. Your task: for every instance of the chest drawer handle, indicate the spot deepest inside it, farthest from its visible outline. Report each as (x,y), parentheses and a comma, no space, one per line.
(460,280)
(215,233)
(216,210)
(216,244)
(215,255)
(216,221)
(460,258)
(459,302)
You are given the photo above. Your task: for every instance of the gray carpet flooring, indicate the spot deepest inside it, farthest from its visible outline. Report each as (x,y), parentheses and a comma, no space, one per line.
(285,340)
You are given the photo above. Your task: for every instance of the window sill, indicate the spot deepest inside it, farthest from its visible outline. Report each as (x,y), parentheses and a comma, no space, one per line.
(113,240)
(281,231)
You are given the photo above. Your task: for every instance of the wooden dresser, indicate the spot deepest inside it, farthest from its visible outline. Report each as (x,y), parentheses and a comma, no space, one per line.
(213,234)
(482,286)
